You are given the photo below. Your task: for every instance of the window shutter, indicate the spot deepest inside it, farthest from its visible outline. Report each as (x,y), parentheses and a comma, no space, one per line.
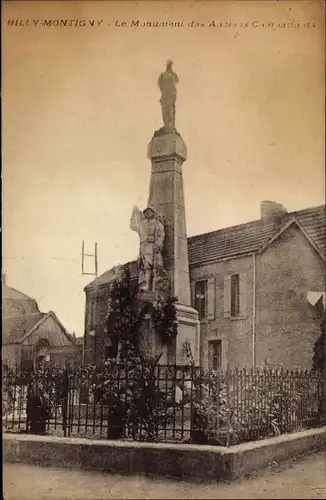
(243,290)
(192,292)
(211,298)
(227,296)
(210,355)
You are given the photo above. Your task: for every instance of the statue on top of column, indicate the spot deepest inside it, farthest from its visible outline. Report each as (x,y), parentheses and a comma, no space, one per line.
(167,83)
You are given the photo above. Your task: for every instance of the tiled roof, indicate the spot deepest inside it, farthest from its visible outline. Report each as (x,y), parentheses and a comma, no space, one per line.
(241,239)
(16,327)
(15,303)
(11,293)
(111,274)
(250,237)
(313,221)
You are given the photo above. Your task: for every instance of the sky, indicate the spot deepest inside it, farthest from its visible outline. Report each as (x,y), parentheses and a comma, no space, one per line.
(80,105)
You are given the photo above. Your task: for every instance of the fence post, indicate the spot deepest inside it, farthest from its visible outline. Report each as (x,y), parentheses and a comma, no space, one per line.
(323,380)
(65,401)
(198,424)
(228,420)
(281,374)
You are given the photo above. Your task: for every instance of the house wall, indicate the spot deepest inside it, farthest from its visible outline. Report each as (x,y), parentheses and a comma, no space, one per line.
(235,333)
(11,355)
(51,331)
(59,355)
(95,314)
(62,355)
(61,348)
(287,326)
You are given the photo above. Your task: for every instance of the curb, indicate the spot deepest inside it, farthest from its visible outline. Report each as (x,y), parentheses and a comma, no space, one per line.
(160,459)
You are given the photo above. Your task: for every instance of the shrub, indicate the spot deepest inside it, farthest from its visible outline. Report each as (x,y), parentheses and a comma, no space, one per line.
(242,405)
(126,314)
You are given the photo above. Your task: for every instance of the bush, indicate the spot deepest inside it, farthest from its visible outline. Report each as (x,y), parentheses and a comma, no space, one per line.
(241,406)
(126,313)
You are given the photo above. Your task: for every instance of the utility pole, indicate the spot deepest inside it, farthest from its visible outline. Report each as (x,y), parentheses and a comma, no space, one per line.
(94,255)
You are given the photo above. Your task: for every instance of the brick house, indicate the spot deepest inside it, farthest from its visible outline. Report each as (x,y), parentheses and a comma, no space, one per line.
(250,285)
(32,337)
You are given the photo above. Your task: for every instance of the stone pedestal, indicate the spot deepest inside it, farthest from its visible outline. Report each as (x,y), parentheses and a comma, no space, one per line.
(167,152)
(188,331)
(150,343)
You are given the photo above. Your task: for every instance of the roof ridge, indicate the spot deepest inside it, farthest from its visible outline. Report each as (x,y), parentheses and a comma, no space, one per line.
(308,209)
(20,316)
(255,221)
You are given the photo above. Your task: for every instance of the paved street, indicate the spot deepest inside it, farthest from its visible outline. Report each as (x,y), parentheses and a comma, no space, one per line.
(302,478)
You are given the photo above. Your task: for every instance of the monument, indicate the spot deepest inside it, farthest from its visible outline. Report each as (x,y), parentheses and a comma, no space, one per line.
(163,257)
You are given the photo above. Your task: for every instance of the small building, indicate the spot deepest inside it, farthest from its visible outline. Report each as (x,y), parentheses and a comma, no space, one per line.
(250,285)
(32,338)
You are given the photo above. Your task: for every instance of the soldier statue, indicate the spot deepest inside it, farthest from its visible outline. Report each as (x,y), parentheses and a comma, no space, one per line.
(150,227)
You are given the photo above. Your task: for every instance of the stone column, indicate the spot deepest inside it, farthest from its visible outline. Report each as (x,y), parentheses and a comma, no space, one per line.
(167,152)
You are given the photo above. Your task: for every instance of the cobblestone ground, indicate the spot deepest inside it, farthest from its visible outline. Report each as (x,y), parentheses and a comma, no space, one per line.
(303,478)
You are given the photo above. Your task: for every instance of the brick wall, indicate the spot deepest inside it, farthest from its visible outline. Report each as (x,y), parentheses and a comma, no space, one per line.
(287,325)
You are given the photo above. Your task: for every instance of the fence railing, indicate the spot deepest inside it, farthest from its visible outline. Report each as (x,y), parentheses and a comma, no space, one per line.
(161,403)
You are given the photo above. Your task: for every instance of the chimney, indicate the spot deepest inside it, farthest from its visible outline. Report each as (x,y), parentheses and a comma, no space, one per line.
(272,211)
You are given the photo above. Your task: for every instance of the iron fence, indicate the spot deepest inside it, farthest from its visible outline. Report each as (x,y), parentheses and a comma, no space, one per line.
(161,403)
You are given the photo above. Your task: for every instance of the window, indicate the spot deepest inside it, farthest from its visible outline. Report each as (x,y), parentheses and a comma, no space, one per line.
(215,354)
(201,298)
(235,295)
